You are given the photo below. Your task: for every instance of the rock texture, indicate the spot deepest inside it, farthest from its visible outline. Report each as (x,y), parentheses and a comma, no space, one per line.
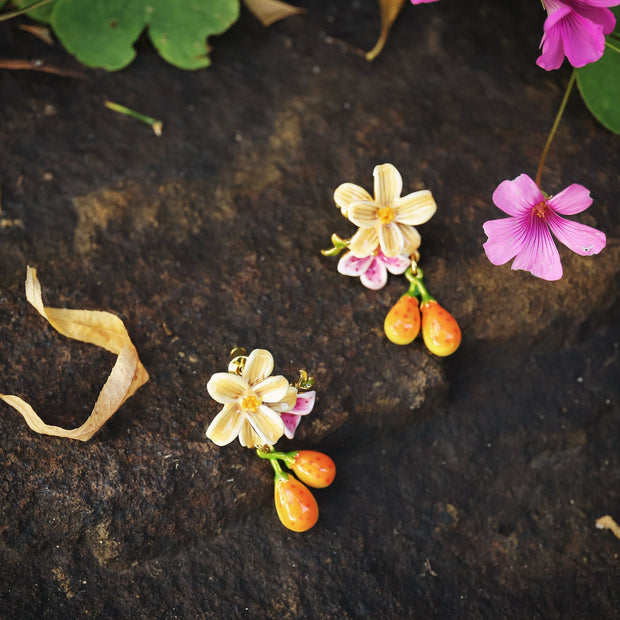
(466,487)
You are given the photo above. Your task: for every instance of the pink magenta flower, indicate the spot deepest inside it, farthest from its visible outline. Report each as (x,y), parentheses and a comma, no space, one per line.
(422,1)
(292,418)
(372,270)
(526,234)
(575,29)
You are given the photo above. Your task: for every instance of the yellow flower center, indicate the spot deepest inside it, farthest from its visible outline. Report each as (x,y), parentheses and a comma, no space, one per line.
(251,403)
(385,214)
(541,209)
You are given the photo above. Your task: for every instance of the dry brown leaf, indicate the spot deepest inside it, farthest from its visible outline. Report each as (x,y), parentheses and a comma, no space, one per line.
(38,31)
(96,327)
(390,10)
(270,11)
(607,523)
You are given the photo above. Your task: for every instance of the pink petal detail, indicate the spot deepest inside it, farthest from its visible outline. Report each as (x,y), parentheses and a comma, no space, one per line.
(574,199)
(291,422)
(518,196)
(539,254)
(581,239)
(394,264)
(506,239)
(350,265)
(375,277)
(304,404)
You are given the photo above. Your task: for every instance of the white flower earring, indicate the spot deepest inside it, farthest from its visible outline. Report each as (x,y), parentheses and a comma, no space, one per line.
(387,241)
(258,409)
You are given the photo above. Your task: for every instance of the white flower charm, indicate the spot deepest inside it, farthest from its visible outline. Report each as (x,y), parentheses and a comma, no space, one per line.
(252,403)
(388,220)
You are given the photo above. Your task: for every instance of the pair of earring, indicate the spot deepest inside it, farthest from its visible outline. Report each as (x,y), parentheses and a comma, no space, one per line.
(259,408)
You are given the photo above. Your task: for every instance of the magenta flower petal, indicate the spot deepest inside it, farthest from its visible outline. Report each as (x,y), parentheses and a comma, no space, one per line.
(291,422)
(350,265)
(581,239)
(584,41)
(539,254)
(518,196)
(575,29)
(574,199)
(304,403)
(375,277)
(506,239)
(422,1)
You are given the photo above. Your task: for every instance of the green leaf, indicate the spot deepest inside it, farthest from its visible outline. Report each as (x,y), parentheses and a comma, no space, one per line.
(101,33)
(178,29)
(41,14)
(599,84)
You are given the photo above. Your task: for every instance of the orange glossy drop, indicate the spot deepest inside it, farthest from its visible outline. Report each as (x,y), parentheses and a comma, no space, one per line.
(441,332)
(314,468)
(402,323)
(295,505)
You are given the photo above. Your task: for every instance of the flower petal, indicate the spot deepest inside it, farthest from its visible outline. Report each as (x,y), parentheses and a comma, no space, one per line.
(518,196)
(581,239)
(364,242)
(272,389)
(258,366)
(351,265)
(375,277)
(288,402)
(539,254)
(363,214)
(395,264)
(388,184)
(291,422)
(391,239)
(506,238)
(574,199)
(415,208)
(226,425)
(248,437)
(584,41)
(412,239)
(267,424)
(304,403)
(226,387)
(347,193)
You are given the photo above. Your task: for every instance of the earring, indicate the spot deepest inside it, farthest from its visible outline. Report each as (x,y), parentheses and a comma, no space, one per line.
(258,409)
(387,241)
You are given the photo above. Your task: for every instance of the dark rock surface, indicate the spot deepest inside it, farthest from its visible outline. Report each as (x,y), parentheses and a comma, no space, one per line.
(467,487)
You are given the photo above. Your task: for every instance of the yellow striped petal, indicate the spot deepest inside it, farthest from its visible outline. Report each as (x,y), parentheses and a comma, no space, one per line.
(412,238)
(267,424)
(388,184)
(226,425)
(226,387)
(391,239)
(363,214)
(258,366)
(272,389)
(415,208)
(364,242)
(347,193)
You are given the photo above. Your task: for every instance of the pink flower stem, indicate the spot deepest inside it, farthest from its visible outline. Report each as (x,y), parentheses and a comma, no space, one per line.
(558,117)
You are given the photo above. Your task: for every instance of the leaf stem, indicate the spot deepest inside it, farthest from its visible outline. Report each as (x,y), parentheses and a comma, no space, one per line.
(556,123)
(613,47)
(12,14)
(121,109)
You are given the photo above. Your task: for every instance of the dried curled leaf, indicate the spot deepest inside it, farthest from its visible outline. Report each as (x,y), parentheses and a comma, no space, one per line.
(96,327)
(390,10)
(270,11)
(607,523)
